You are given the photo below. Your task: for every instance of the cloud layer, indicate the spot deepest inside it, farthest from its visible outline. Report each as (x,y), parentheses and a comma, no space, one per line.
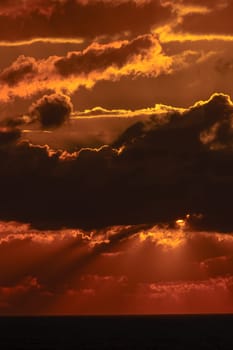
(174,162)
(93,272)
(113,198)
(141,56)
(88,19)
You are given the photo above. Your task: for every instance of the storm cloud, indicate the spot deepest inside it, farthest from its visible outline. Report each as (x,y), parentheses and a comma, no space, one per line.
(51,110)
(155,172)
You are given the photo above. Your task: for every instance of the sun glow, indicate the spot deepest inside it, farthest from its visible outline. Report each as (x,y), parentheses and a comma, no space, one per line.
(168,239)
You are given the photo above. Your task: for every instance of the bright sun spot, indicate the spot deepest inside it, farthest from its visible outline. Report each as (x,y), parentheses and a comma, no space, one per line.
(165,237)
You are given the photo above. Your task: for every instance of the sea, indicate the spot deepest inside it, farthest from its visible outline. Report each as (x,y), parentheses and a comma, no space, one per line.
(118,332)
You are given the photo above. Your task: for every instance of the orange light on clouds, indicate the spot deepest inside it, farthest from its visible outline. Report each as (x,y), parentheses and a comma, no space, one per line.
(116,270)
(98,167)
(166,237)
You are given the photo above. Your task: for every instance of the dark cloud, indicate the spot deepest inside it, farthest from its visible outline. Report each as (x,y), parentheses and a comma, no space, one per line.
(210,23)
(83,131)
(141,56)
(185,170)
(22,69)
(162,172)
(88,19)
(52,110)
(98,58)
(9,135)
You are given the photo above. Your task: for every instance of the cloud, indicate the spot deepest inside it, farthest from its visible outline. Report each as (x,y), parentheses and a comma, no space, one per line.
(29,289)
(126,64)
(99,57)
(146,73)
(74,271)
(88,195)
(209,22)
(141,56)
(23,68)
(191,297)
(196,21)
(91,128)
(51,110)
(160,169)
(9,135)
(21,21)
(200,19)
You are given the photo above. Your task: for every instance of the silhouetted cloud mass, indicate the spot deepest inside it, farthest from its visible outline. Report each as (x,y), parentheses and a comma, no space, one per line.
(52,110)
(99,57)
(156,172)
(9,135)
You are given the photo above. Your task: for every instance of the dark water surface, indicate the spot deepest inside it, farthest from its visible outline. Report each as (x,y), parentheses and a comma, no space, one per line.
(126,332)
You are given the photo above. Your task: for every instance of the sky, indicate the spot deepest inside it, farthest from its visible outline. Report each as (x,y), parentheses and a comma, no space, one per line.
(116,157)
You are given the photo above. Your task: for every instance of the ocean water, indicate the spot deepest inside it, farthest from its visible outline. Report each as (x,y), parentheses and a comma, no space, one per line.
(120,332)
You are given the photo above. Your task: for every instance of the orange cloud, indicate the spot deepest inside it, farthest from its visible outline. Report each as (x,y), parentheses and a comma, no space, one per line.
(210,23)
(142,56)
(21,21)
(197,21)
(208,296)
(93,272)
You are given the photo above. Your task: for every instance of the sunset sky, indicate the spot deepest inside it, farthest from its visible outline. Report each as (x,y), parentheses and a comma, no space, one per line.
(116,157)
